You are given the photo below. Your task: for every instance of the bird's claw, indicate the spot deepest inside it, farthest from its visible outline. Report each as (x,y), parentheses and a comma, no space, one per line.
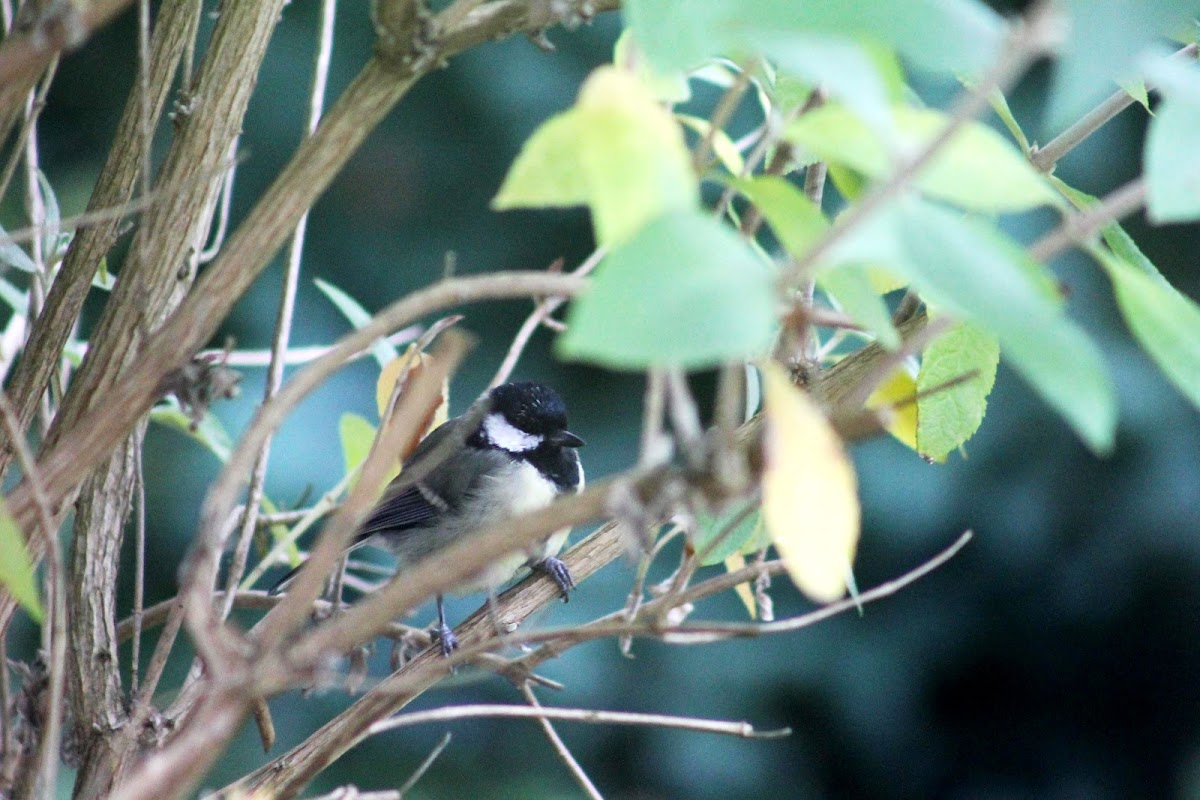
(557,569)
(444,636)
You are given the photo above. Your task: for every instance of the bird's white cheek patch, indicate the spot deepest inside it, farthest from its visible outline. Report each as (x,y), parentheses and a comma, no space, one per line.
(505,435)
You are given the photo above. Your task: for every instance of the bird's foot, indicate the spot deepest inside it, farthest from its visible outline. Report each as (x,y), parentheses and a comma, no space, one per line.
(556,568)
(443,635)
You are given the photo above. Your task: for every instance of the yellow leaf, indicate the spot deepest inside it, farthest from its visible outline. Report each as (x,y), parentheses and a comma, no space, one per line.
(733,564)
(617,150)
(899,388)
(392,372)
(883,280)
(810,493)
(722,145)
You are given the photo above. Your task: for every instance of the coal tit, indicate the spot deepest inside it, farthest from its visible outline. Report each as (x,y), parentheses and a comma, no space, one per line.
(518,457)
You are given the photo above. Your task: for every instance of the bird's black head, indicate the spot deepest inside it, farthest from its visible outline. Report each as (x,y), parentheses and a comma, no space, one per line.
(524,417)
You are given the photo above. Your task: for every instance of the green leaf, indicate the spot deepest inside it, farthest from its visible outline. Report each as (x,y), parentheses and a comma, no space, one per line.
(16,570)
(722,146)
(949,417)
(843,68)
(973,272)
(617,151)
(1165,322)
(12,256)
(850,285)
(14,298)
(1103,43)
(1000,106)
(1172,159)
(670,87)
(357,316)
(103,279)
(1137,90)
(1120,242)
(685,290)
(209,432)
(977,169)
(746,534)
(1173,163)
(973,269)
(53,219)
(936,35)
(795,220)
(357,436)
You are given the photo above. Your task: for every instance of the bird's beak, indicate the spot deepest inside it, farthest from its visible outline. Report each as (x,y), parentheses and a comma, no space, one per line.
(566,439)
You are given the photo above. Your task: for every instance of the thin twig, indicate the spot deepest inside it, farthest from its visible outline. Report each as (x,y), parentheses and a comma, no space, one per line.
(145,127)
(448,713)
(303,355)
(557,640)
(37,218)
(224,203)
(27,129)
(139,570)
(538,316)
(88,218)
(54,631)
(720,117)
(683,413)
(655,446)
(908,347)
(1029,39)
(1045,158)
(283,324)
(560,747)
(423,767)
(1077,227)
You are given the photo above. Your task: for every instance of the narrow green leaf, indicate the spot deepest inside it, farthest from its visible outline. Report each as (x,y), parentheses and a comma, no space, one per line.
(1137,90)
(747,534)
(844,69)
(1120,242)
(1103,43)
(357,316)
(685,290)
(850,285)
(617,150)
(795,220)
(12,256)
(977,169)
(1173,163)
(16,570)
(357,436)
(722,146)
(670,87)
(973,272)
(1000,105)
(53,219)
(14,298)
(948,417)
(1171,159)
(936,35)
(210,432)
(1165,322)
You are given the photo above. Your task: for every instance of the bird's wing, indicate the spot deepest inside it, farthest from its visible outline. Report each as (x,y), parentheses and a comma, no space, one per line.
(404,505)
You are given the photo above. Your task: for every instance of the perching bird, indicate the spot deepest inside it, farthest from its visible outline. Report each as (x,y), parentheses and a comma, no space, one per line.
(518,458)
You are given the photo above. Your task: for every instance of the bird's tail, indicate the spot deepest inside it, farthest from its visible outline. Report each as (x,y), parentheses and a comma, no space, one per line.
(283,582)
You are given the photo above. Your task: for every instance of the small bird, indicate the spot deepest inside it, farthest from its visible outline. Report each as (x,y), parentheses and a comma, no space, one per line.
(515,457)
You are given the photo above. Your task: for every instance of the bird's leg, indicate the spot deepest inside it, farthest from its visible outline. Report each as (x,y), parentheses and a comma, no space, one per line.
(442,633)
(556,568)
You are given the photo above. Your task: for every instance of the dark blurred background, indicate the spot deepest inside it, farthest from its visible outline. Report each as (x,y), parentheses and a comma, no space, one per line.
(1056,657)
